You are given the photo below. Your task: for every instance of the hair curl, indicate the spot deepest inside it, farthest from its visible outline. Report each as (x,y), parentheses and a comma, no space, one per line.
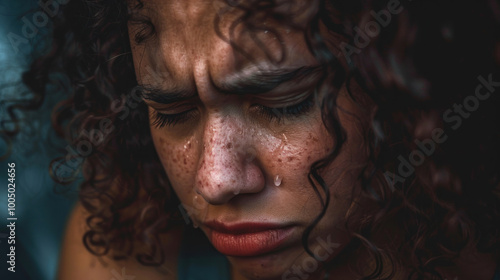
(425,60)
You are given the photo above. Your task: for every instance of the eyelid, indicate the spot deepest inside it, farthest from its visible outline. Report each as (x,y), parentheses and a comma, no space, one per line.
(173,108)
(285,100)
(289,111)
(161,120)
(292,109)
(296,89)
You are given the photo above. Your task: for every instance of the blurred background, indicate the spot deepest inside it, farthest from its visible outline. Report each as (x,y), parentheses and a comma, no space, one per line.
(42,206)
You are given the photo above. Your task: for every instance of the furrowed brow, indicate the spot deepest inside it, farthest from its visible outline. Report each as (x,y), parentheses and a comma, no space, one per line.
(264,81)
(256,83)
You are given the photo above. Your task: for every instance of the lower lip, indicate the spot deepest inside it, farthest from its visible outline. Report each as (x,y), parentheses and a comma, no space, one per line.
(249,244)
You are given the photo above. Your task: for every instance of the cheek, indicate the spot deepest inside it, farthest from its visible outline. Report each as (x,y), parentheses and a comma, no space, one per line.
(299,156)
(300,149)
(177,159)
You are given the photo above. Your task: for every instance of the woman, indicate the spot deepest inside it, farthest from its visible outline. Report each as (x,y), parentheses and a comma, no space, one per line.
(301,139)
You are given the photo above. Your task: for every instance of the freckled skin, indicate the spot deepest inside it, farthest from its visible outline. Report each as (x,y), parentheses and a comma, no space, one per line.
(224,162)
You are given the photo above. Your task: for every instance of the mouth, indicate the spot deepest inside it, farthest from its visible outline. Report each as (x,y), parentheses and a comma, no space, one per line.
(248,239)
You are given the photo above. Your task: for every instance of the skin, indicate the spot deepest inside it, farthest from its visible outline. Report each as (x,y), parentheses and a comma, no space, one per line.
(223,162)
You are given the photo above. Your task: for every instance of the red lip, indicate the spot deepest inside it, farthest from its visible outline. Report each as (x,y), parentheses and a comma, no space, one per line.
(247,239)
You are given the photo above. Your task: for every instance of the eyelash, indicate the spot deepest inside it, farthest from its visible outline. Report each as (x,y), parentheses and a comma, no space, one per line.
(162,120)
(271,114)
(279,114)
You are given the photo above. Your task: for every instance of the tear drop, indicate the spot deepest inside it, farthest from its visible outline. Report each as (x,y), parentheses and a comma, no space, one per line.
(195,224)
(283,144)
(284,137)
(277,180)
(236,192)
(266,31)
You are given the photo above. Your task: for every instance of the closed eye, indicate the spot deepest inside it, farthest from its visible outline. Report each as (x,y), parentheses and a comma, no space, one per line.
(270,113)
(281,113)
(162,120)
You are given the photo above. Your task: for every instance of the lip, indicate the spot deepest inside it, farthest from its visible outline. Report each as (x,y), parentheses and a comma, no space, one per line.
(248,239)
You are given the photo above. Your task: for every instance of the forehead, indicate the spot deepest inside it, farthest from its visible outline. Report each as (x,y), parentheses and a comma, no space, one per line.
(193,33)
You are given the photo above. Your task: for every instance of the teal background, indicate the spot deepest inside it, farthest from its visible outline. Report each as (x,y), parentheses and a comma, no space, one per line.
(42,207)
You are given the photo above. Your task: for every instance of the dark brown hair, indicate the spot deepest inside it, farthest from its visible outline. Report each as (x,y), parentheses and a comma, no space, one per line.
(428,57)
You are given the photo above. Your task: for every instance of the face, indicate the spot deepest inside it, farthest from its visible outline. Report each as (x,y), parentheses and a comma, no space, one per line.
(237,161)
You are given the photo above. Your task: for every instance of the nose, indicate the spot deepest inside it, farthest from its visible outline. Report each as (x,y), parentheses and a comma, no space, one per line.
(228,164)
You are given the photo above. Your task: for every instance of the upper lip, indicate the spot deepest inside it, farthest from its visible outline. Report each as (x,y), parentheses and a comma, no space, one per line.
(242,228)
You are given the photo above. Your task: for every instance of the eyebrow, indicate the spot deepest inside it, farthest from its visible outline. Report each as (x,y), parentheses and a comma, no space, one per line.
(256,83)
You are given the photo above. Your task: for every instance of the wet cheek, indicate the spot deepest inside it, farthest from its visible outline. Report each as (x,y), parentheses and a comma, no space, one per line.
(295,156)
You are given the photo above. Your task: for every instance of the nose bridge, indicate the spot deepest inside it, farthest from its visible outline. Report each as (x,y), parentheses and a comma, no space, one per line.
(223,138)
(226,167)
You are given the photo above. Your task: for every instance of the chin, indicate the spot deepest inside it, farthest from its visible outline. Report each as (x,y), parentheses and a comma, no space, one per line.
(269,266)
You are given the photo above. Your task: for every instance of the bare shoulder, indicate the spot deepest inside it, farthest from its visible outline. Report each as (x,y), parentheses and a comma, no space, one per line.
(77,263)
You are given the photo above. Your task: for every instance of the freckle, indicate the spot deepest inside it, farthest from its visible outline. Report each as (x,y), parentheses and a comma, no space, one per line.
(279,160)
(185,161)
(308,157)
(290,158)
(218,186)
(175,160)
(315,139)
(229,145)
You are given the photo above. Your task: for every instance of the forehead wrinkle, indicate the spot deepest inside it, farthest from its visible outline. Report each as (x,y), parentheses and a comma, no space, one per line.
(178,42)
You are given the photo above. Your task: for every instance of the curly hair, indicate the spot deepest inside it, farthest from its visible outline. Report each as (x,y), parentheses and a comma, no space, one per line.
(416,67)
